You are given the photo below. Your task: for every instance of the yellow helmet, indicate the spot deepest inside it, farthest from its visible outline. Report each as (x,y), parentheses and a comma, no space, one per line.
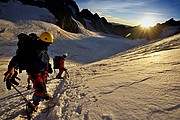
(47,37)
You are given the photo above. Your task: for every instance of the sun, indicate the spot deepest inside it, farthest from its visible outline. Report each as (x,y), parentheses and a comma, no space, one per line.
(147,22)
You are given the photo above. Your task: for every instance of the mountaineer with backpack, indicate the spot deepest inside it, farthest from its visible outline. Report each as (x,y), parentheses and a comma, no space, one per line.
(32,56)
(59,64)
(33,37)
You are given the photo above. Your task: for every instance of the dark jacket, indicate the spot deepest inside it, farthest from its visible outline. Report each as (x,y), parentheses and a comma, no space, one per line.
(37,61)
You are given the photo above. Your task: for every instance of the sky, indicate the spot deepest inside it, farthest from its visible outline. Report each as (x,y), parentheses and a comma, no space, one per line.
(133,12)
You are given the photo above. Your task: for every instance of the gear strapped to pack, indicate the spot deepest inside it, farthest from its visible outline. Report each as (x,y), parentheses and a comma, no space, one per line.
(26,46)
(29,47)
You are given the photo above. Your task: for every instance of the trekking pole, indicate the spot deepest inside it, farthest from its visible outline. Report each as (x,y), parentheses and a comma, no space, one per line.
(28,104)
(19,92)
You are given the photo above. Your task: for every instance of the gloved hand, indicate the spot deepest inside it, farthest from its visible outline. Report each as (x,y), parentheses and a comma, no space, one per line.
(11,80)
(50,70)
(67,74)
(64,69)
(9,74)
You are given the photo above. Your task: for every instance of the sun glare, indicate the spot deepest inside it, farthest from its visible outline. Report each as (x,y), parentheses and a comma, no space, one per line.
(147,22)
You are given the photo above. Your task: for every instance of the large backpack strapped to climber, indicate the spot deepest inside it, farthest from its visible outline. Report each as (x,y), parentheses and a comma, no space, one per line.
(26,45)
(56,64)
(57,59)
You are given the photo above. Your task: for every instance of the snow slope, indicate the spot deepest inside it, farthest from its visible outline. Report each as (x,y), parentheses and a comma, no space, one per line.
(142,83)
(137,84)
(15,10)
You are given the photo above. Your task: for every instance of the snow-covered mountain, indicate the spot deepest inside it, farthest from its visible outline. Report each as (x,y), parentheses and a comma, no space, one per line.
(111,78)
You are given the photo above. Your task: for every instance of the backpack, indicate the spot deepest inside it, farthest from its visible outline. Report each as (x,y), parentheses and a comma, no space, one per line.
(56,62)
(26,45)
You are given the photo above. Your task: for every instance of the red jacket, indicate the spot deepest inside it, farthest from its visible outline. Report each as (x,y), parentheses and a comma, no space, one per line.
(61,63)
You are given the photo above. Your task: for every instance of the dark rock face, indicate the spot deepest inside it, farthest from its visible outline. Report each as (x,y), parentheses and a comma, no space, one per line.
(63,10)
(99,23)
(66,10)
(4,0)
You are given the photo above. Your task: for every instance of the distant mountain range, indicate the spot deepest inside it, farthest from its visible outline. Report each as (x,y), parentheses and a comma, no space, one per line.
(64,10)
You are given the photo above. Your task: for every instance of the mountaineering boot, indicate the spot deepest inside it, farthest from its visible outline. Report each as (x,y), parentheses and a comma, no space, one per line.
(28,87)
(35,107)
(46,96)
(31,107)
(57,77)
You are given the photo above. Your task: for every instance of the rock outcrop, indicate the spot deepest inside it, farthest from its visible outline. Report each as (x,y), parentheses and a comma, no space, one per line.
(66,10)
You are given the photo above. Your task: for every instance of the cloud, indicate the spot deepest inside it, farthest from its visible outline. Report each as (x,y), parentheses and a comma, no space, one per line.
(119,20)
(117,10)
(115,5)
(120,8)
(130,10)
